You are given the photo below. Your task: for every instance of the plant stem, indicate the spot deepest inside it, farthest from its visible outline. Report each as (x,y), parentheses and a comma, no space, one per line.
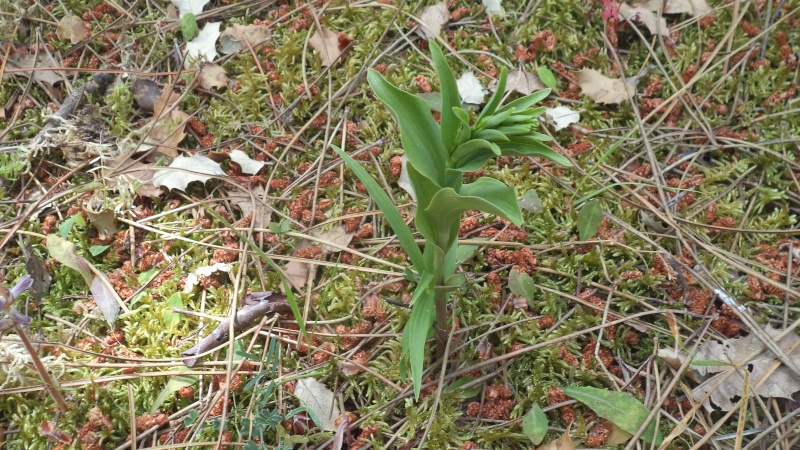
(52,385)
(441,294)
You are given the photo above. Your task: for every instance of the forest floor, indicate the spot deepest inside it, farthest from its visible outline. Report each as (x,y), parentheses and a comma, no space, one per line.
(656,280)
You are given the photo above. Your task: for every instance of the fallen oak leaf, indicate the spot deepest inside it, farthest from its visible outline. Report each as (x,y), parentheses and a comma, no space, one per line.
(71,28)
(203,47)
(602,89)
(237,37)
(696,8)
(470,89)
(297,271)
(432,19)
(212,75)
(326,43)
(561,117)
(186,169)
(768,377)
(249,166)
(656,25)
(520,81)
(190,6)
(320,401)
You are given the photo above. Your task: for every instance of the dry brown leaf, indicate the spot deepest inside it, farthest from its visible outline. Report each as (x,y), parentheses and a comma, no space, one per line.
(102,218)
(123,170)
(212,75)
(46,67)
(71,28)
(237,37)
(562,443)
(602,89)
(253,202)
(696,8)
(297,271)
(320,400)
(432,19)
(768,377)
(326,43)
(168,132)
(520,81)
(642,15)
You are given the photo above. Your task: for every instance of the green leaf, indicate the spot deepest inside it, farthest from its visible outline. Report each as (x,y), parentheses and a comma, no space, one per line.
(68,224)
(66,253)
(519,147)
(473,154)
(388,208)
(619,407)
(547,77)
(589,219)
(188,26)
(415,333)
(98,249)
(450,98)
(281,227)
(172,319)
(497,97)
(455,386)
(526,102)
(465,252)
(419,133)
(521,284)
(433,99)
(534,424)
(174,384)
(147,275)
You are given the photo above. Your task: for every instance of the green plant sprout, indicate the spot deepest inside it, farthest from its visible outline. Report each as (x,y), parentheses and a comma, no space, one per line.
(438,155)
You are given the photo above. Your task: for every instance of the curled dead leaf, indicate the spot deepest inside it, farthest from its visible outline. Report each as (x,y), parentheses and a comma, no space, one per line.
(432,19)
(237,37)
(71,28)
(326,43)
(520,81)
(212,75)
(602,89)
(297,271)
(640,14)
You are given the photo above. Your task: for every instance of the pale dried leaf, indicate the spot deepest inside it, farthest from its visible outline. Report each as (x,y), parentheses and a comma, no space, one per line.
(470,89)
(297,271)
(494,8)
(404,181)
(354,366)
(165,136)
(204,46)
(105,297)
(520,81)
(237,37)
(320,400)
(249,166)
(70,28)
(123,170)
(561,117)
(46,67)
(193,278)
(253,202)
(695,8)
(190,6)
(562,443)
(326,43)
(212,76)
(763,381)
(186,169)
(66,253)
(432,19)
(642,15)
(602,89)
(102,218)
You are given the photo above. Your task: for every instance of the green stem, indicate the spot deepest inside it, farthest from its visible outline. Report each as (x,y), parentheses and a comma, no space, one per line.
(441,293)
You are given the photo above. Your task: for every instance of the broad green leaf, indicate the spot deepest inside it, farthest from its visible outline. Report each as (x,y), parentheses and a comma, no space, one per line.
(618,407)
(433,99)
(388,208)
(450,98)
(490,135)
(455,386)
(500,198)
(496,119)
(68,224)
(172,319)
(424,188)
(415,333)
(534,424)
(66,253)
(174,384)
(147,275)
(188,26)
(497,97)
(547,77)
(521,284)
(472,155)
(589,219)
(419,133)
(98,249)
(526,102)
(516,147)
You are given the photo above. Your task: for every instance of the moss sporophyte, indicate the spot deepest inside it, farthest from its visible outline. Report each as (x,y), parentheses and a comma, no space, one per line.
(438,156)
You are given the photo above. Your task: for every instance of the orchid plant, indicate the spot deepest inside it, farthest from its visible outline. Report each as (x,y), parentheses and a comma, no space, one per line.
(438,156)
